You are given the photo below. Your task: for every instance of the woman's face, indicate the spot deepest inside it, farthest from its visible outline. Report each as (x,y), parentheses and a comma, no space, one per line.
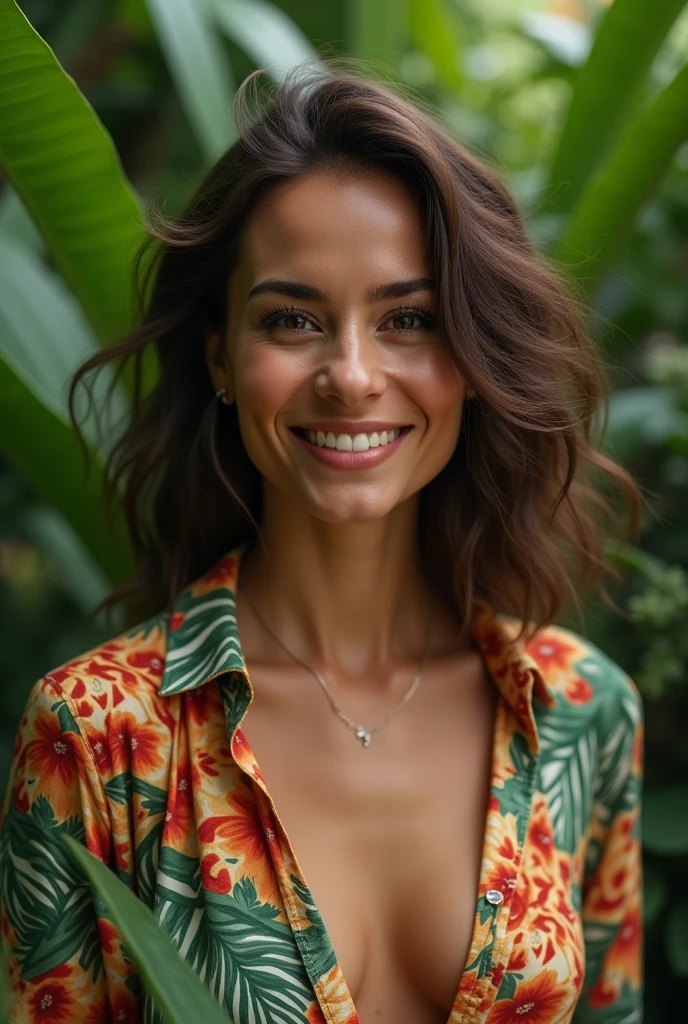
(347,399)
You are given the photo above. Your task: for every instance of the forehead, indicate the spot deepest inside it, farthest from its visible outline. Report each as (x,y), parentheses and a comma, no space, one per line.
(326,223)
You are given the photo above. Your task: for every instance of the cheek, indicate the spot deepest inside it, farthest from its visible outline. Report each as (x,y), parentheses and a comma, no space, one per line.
(265,381)
(438,390)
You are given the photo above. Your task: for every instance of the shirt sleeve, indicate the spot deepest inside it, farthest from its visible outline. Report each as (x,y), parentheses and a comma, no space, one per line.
(63,957)
(612,887)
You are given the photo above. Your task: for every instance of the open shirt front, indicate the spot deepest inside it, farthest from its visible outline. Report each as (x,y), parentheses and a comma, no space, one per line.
(136,747)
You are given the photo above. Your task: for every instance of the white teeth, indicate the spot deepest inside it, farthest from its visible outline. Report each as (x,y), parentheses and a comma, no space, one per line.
(349,442)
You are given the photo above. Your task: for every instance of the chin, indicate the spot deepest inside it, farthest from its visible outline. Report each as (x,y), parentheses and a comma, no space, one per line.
(355,512)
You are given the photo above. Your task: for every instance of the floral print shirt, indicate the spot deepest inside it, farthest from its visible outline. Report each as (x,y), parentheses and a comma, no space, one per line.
(136,748)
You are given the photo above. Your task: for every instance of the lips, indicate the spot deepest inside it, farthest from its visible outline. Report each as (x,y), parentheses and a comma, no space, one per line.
(347,451)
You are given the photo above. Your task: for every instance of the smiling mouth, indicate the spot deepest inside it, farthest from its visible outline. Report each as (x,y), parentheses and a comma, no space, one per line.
(350,442)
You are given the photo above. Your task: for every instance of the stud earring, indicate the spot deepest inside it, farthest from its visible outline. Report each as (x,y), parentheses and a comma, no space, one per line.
(222,395)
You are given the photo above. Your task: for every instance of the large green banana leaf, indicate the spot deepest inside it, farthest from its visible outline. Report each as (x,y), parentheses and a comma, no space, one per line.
(607,90)
(63,165)
(604,218)
(199,68)
(265,33)
(176,989)
(434,28)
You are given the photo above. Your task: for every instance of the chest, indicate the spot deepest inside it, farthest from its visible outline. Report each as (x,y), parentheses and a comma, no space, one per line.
(388,838)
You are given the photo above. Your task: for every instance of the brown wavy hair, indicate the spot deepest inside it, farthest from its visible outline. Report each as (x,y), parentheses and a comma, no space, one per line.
(520,513)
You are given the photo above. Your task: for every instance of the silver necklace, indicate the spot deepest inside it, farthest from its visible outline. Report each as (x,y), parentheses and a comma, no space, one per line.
(361,732)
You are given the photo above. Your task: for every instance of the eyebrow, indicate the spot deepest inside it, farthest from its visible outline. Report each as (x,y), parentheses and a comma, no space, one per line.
(296,290)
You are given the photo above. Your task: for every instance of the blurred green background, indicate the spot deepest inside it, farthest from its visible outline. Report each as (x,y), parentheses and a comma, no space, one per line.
(583,108)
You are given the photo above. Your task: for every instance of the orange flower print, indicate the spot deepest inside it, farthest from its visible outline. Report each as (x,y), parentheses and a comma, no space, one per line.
(179,814)
(215,875)
(535,1002)
(51,1004)
(243,828)
(100,749)
(549,652)
(133,744)
(623,957)
(540,834)
(579,691)
(51,754)
(618,873)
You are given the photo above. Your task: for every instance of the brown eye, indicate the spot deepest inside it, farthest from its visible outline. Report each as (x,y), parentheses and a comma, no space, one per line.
(404,322)
(295,322)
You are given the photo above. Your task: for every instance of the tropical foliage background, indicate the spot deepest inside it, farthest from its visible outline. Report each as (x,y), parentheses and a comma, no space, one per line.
(107,105)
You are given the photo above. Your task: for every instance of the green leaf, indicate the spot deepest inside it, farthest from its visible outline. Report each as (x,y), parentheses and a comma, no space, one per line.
(665,820)
(566,39)
(44,335)
(199,68)
(676,938)
(377,29)
(265,33)
(45,451)
(434,29)
(606,92)
(63,165)
(604,217)
(175,987)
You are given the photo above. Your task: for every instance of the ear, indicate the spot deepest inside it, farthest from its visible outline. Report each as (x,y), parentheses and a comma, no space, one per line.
(217,361)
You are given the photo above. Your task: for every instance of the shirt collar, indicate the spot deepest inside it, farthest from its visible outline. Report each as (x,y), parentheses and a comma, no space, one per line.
(203,642)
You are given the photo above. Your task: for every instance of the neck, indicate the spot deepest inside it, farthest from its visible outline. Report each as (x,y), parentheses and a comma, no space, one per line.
(352,596)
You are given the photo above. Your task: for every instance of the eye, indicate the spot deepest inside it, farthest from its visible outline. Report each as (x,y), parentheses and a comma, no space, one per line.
(293,319)
(412,319)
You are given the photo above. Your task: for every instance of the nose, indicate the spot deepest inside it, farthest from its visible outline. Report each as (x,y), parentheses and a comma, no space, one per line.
(352,368)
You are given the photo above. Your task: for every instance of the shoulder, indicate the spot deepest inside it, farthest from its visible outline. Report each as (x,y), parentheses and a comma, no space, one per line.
(577,671)
(588,687)
(117,679)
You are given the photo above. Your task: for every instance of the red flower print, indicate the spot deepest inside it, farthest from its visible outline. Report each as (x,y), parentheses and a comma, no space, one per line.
(51,1002)
(51,753)
(100,749)
(176,619)
(206,762)
(220,574)
(215,877)
(549,652)
(123,1007)
(109,939)
(536,1001)
(148,660)
(579,691)
(179,813)
(602,993)
(133,744)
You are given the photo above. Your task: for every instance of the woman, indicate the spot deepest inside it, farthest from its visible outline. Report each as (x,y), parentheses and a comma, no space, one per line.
(359,493)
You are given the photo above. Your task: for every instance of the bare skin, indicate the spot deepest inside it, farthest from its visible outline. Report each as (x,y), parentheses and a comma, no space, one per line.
(389,838)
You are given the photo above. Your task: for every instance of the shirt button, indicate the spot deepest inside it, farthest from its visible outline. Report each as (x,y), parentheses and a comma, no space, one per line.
(494,896)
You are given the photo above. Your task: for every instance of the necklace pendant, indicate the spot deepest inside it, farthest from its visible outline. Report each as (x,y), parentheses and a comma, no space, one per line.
(363,735)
